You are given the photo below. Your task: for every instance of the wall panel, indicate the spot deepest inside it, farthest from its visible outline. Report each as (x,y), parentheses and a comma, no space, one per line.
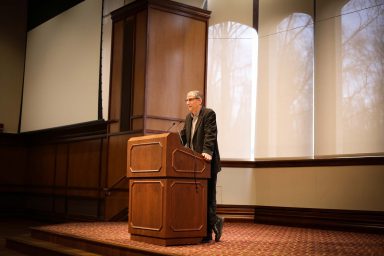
(84,165)
(41,167)
(13,155)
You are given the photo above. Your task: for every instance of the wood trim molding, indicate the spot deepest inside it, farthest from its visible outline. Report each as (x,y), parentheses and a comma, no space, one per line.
(364,221)
(353,220)
(177,7)
(236,213)
(11,139)
(348,161)
(84,130)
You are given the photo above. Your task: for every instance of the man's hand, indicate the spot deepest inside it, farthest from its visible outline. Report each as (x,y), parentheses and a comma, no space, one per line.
(206,156)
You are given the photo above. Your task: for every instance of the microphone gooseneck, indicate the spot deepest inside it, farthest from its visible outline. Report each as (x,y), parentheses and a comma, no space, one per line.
(170,127)
(178,131)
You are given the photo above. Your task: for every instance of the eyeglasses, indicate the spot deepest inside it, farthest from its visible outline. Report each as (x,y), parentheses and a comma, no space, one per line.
(190,99)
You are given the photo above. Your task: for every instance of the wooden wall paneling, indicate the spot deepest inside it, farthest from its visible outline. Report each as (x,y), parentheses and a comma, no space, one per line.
(12,178)
(176,61)
(169,55)
(138,123)
(138,100)
(128,68)
(127,75)
(140,56)
(162,124)
(83,208)
(61,180)
(11,203)
(116,205)
(83,186)
(116,199)
(61,172)
(12,166)
(116,75)
(40,173)
(103,176)
(41,167)
(117,158)
(45,177)
(84,168)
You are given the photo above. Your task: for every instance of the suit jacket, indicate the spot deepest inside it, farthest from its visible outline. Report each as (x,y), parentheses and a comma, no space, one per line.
(205,137)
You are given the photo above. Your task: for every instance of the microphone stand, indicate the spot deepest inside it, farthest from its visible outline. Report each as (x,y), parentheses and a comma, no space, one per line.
(170,127)
(178,131)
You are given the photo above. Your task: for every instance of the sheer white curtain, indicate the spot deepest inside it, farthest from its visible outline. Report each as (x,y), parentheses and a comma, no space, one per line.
(232,75)
(284,121)
(350,84)
(297,88)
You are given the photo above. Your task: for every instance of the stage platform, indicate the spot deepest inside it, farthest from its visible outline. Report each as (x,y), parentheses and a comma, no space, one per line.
(244,238)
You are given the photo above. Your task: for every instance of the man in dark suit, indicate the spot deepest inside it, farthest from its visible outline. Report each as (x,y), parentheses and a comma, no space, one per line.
(200,134)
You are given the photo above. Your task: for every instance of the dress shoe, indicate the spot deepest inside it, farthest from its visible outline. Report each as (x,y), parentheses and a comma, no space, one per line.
(218,228)
(206,239)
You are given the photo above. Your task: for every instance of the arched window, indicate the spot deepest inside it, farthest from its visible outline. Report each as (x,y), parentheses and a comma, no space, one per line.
(361,98)
(232,75)
(284,121)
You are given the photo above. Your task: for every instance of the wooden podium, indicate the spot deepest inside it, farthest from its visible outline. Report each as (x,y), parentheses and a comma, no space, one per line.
(167,191)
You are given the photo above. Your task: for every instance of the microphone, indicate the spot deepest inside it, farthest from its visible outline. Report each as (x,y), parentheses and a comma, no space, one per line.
(177,128)
(170,127)
(178,131)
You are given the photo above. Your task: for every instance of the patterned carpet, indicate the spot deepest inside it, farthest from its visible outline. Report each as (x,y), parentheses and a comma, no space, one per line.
(241,239)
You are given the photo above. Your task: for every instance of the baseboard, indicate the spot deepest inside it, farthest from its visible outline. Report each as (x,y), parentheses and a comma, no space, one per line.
(236,213)
(346,220)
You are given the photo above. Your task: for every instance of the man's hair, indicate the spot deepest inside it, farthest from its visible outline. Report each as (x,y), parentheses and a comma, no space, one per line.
(196,94)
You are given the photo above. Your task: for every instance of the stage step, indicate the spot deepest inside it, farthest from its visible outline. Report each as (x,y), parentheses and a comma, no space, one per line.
(43,242)
(31,246)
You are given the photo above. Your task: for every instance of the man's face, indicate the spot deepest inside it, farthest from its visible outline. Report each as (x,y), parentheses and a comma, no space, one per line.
(193,103)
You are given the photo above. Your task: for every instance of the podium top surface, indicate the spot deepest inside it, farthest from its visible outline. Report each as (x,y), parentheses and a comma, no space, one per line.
(152,136)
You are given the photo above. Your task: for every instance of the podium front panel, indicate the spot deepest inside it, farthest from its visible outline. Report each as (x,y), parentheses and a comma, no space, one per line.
(187,202)
(168,208)
(146,157)
(146,204)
